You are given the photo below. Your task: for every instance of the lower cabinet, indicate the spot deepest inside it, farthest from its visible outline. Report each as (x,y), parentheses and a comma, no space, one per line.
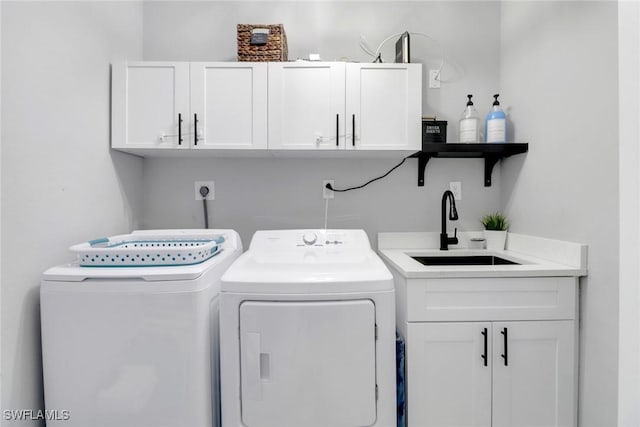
(491,374)
(490,352)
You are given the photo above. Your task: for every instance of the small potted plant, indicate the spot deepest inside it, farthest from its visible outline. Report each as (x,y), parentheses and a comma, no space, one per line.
(495,230)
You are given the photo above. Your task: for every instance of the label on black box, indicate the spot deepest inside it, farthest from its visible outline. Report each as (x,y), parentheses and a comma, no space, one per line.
(435,131)
(259,36)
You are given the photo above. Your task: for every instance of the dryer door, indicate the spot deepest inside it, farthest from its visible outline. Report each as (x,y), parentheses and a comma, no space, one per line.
(308,364)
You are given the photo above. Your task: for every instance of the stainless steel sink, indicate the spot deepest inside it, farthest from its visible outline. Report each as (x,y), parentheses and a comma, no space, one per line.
(464,260)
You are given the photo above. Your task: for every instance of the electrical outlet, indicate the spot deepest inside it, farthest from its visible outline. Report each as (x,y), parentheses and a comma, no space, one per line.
(434,79)
(210,185)
(456,189)
(326,193)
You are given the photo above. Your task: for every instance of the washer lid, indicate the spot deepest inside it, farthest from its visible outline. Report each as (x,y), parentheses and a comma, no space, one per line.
(72,272)
(308,261)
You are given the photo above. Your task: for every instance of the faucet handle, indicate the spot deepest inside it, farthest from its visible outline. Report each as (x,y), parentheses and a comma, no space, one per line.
(454,240)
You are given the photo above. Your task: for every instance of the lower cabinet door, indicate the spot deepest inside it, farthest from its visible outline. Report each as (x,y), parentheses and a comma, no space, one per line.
(448,374)
(534,374)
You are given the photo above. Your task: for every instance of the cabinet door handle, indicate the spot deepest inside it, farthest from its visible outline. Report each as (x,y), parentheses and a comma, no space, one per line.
(195,128)
(505,355)
(179,129)
(484,335)
(353,130)
(337,130)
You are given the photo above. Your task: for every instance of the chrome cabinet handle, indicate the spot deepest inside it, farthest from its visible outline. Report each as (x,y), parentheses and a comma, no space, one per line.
(179,129)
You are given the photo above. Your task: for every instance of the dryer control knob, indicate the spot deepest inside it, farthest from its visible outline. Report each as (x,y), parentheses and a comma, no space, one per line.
(309,238)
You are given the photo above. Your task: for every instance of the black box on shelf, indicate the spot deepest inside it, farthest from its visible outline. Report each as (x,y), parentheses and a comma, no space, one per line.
(434,131)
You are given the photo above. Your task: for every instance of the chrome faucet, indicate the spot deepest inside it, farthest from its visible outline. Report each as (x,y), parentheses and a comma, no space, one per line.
(453,216)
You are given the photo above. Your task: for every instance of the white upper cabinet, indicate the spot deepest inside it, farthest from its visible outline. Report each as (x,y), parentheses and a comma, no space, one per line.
(159,105)
(384,106)
(334,105)
(229,105)
(150,105)
(306,105)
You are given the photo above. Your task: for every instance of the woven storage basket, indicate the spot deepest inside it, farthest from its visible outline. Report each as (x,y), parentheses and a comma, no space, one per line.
(274,50)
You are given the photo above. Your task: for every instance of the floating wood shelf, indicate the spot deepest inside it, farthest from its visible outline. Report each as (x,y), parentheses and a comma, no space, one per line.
(490,152)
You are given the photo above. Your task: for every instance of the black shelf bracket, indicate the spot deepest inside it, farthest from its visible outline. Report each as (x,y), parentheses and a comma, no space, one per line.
(491,153)
(423,159)
(489,163)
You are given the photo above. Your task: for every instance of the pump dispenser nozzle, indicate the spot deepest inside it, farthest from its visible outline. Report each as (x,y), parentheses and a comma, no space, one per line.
(469,102)
(495,99)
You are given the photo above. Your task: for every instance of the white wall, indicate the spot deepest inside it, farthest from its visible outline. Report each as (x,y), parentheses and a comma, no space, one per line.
(559,74)
(272,193)
(629,318)
(282,193)
(60,183)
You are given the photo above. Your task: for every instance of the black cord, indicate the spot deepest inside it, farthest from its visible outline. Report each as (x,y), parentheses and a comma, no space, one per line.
(330,187)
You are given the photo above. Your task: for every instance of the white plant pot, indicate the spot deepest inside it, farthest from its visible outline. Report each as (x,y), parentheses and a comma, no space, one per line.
(496,239)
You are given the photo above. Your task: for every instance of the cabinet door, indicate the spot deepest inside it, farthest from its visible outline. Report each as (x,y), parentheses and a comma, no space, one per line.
(229,105)
(384,106)
(150,105)
(306,105)
(534,371)
(448,379)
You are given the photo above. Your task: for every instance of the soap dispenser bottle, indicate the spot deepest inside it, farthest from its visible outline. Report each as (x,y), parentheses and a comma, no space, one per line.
(469,124)
(496,123)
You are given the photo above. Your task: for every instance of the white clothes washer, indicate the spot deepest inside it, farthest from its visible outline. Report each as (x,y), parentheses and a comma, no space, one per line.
(135,346)
(307,330)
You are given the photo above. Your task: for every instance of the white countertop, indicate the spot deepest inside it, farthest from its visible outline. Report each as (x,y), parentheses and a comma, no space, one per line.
(537,257)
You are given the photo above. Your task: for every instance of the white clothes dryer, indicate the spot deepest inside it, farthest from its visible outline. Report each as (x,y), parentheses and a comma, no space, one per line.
(307,330)
(136,346)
